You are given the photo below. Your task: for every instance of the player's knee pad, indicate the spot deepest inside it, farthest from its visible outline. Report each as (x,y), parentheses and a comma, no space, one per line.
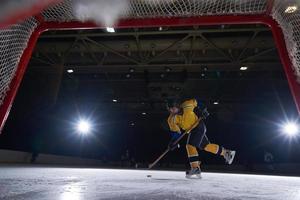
(213,148)
(191,150)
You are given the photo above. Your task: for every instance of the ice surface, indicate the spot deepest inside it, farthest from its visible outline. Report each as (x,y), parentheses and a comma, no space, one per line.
(45,183)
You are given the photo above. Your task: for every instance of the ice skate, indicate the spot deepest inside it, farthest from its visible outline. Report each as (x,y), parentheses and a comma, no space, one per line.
(229,156)
(194,173)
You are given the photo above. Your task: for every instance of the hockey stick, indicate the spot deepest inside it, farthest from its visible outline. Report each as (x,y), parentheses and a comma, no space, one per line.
(176,142)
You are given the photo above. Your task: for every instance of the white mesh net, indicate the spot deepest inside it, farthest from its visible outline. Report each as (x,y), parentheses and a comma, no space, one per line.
(289,21)
(13,40)
(166,8)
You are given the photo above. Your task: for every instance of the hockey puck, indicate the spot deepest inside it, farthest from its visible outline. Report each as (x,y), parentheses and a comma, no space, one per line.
(149,176)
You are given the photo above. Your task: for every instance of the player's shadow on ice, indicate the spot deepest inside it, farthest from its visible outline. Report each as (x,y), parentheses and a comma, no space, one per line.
(168,179)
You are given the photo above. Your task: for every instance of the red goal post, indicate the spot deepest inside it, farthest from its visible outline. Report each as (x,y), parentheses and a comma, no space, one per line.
(17,41)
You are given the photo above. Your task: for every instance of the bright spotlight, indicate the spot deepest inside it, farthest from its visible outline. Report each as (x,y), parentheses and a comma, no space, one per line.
(291,129)
(83,127)
(110,29)
(291,9)
(243,68)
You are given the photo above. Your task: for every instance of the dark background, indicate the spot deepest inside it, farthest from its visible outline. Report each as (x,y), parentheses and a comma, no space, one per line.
(252,104)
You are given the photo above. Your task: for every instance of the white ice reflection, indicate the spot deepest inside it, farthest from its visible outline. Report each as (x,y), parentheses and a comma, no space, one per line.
(297,195)
(72,191)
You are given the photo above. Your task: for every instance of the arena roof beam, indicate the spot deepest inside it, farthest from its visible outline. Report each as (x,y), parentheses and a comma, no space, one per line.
(63,34)
(221,52)
(111,50)
(168,48)
(259,54)
(247,44)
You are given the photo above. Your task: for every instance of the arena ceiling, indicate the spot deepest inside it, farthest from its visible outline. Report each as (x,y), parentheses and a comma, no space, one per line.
(142,67)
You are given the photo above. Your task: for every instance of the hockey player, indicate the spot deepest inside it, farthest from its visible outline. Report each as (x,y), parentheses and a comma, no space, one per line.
(186,116)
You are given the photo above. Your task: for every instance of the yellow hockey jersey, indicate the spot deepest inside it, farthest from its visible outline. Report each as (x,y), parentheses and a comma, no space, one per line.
(185,120)
(174,122)
(189,118)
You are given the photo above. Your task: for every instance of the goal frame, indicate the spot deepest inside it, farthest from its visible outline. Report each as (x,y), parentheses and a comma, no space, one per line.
(264,19)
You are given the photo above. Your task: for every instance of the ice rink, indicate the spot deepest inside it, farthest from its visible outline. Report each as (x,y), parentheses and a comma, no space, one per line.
(82,183)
